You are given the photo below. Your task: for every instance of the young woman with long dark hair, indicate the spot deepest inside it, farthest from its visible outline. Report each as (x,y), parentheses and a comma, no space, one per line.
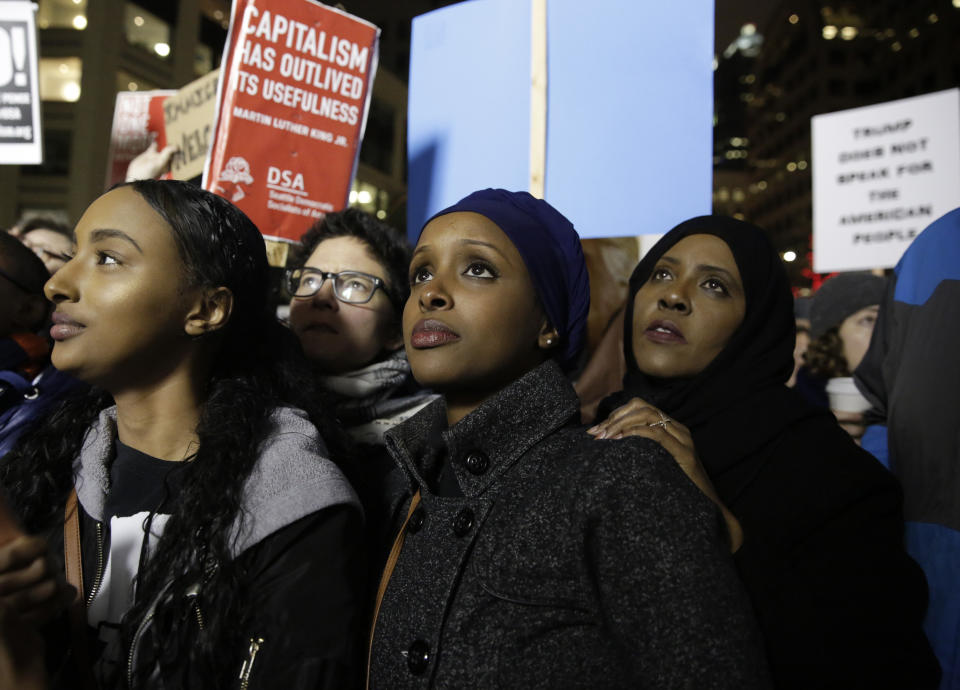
(219,544)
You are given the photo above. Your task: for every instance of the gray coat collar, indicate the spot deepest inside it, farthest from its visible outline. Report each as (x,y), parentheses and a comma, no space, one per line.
(292,477)
(502,429)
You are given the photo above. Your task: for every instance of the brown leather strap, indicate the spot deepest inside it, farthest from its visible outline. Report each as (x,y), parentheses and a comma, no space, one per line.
(71,544)
(73,565)
(387,572)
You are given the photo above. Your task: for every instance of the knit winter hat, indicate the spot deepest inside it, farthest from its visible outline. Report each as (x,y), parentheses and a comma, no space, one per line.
(841,296)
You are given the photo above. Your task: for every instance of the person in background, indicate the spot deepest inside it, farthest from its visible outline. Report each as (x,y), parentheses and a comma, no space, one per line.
(348,285)
(29,385)
(911,375)
(708,340)
(842,316)
(533,556)
(219,544)
(49,239)
(801,314)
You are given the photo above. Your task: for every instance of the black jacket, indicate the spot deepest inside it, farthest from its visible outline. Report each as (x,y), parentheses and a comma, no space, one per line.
(568,562)
(300,546)
(307,609)
(838,599)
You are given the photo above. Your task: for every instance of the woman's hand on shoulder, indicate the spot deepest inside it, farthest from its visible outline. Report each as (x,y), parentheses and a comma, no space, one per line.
(639,418)
(31,588)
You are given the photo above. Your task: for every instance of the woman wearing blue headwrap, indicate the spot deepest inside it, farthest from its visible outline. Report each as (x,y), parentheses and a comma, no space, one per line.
(532,556)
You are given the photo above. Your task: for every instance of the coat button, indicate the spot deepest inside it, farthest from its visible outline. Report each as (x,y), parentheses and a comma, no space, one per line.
(418,657)
(416,521)
(477,462)
(463,523)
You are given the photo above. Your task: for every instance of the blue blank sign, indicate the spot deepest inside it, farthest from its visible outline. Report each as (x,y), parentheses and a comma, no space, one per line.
(629,110)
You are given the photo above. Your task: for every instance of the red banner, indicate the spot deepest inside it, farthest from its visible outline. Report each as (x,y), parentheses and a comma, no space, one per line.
(291,109)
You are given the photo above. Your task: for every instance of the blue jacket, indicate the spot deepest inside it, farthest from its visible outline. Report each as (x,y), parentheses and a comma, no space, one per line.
(911,374)
(23,400)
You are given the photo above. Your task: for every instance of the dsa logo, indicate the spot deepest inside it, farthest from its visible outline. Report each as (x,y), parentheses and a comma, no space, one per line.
(285,178)
(234,173)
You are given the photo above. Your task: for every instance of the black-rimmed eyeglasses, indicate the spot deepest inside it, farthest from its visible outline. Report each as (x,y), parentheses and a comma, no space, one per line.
(352,287)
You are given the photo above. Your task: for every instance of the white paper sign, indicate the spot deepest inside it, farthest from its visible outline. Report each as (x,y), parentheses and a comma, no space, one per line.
(20,133)
(881,174)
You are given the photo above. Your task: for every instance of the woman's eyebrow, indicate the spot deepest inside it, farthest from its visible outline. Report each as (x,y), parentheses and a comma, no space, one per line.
(107,233)
(485,244)
(701,268)
(707,268)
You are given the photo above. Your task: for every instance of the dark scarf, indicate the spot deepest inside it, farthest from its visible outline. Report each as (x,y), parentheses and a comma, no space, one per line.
(739,402)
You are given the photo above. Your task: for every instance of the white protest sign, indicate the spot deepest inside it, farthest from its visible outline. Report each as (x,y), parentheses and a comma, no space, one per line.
(188,119)
(20,132)
(881,174)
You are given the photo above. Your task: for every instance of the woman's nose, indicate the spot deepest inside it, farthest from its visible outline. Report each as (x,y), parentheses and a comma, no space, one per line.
(434,296)
(325,296)
(62,285)
(674,299)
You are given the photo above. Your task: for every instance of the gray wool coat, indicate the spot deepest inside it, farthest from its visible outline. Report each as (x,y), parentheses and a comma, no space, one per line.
(568,563)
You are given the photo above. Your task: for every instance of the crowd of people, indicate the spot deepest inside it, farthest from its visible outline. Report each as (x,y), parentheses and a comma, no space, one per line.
(400,487)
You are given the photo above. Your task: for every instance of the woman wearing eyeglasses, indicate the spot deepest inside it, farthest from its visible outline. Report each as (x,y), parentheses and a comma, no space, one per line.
(348,288)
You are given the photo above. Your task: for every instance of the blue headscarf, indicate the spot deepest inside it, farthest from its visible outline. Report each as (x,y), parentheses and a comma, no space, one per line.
(550,248)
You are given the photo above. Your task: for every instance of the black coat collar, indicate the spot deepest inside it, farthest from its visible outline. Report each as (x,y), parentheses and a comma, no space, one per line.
(496,434)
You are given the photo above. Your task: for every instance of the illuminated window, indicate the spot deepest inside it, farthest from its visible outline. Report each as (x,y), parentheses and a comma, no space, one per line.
(62,14)
(146,30)
(848,33)
(60,79)
(369,198)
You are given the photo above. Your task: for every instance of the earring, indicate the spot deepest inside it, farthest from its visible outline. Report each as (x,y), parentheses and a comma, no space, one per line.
(549,342)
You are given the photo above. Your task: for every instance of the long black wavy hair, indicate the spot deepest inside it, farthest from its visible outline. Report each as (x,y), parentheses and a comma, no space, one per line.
(257,366)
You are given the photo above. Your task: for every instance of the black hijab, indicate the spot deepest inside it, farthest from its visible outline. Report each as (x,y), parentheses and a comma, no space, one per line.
(739,401)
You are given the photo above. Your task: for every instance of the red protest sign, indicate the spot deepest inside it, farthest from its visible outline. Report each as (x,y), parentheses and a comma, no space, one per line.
(137,121)
(291,109)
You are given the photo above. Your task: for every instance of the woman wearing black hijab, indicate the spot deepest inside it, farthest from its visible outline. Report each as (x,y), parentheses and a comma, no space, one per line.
(708,341)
